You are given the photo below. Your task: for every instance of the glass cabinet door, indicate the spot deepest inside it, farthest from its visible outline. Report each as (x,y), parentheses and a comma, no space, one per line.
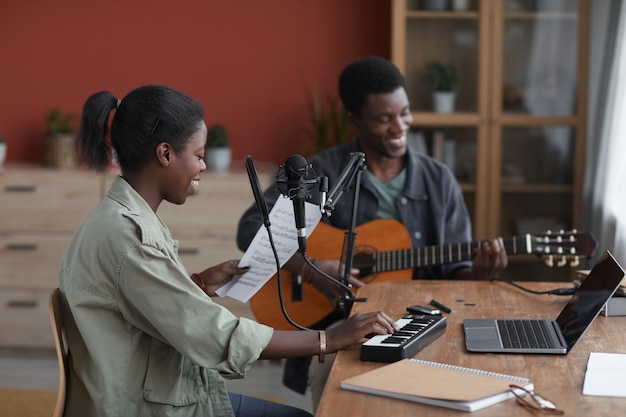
(450,34)
(515,138)
(540,57)
(538,133)
(448,38)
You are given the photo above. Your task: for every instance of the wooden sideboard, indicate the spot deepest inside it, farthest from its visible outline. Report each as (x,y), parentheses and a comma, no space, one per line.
(40,209)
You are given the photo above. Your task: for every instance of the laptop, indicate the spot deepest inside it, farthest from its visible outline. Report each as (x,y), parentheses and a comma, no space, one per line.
(546,335)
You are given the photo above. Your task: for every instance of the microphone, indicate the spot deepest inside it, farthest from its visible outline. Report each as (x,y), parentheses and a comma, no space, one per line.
(256,190)
(296,170)
(323,192)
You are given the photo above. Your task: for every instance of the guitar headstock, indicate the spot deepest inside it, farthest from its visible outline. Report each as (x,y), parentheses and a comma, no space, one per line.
(563,246)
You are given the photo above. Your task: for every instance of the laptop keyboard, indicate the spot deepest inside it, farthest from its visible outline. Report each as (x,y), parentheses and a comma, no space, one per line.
(525,334)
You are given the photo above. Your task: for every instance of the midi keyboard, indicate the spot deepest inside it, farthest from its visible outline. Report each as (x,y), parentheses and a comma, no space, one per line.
(416,332)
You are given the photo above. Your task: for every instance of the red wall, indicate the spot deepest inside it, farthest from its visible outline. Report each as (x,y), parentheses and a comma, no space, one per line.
(244,60)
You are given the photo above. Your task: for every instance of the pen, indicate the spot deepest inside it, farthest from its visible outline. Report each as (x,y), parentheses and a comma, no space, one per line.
(441,306)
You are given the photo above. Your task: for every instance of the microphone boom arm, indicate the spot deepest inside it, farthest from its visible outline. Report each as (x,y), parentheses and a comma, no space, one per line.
(350,174)
(354,166)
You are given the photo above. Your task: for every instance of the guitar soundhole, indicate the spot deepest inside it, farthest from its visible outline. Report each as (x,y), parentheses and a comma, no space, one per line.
(363,259)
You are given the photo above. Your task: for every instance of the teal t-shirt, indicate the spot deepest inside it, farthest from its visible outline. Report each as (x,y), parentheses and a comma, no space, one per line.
(388,194)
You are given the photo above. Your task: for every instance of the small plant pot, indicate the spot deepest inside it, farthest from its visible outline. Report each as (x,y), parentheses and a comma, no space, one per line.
(460,5)
(218,159)
(58,151)
(443,101)
(437,4)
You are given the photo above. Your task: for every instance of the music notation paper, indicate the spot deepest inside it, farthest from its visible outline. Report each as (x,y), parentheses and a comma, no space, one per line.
(260,257)
(437,384)
(605,375)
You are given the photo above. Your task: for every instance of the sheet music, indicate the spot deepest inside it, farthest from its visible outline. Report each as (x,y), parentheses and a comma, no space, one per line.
(259,256)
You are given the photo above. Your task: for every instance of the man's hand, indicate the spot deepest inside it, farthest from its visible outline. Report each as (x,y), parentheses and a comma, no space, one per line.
(331,290)
(490,260)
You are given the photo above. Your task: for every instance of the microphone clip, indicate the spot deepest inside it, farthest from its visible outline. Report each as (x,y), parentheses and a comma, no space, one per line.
(307,178)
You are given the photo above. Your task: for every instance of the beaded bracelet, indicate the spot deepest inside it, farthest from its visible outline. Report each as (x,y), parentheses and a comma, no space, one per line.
(322,353)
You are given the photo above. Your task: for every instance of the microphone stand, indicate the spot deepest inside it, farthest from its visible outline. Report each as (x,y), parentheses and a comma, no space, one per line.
(351,173)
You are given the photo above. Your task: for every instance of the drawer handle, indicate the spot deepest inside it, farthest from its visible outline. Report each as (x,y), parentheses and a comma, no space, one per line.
(22,303)
(188,251)
(20,188)
(21,246)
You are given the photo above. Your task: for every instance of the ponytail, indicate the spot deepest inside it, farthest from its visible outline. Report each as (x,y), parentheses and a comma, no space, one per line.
(92,146)
(144,118)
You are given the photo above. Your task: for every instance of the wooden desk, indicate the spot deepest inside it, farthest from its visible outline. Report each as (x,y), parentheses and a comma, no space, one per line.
(558,377)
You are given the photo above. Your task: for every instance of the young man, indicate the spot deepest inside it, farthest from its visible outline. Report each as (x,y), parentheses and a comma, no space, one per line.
(399,183)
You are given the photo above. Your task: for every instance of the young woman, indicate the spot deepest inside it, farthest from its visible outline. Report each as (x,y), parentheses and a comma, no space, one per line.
(144,337)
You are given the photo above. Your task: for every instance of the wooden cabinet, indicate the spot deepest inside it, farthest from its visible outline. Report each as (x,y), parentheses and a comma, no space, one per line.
(40,209)
(516,139)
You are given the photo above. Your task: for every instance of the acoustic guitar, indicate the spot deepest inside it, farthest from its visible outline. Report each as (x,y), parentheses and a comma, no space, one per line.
(383,252)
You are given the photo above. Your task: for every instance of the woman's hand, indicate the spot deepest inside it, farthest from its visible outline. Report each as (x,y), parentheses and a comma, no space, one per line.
(214,277)
(358,326)
(294,343)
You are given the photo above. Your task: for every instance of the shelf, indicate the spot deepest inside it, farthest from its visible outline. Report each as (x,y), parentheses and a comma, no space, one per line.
(445,119)
(468,188)
(541,15)
(524,119)
(536,189)
(448,14)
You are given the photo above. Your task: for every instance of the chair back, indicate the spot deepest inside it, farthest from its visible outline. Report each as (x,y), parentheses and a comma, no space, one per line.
(60,342)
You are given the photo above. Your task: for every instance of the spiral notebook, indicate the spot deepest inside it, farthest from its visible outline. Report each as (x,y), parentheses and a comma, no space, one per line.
(437,384)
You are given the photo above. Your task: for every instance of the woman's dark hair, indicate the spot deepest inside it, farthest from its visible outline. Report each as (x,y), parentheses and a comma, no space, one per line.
(144,118)
(371,75)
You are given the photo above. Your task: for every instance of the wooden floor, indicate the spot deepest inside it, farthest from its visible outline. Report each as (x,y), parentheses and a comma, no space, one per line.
(38,371)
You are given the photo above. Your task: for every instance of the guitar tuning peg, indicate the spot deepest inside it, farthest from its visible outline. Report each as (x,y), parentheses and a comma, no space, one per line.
(562,261)
(575,261)
(549,261)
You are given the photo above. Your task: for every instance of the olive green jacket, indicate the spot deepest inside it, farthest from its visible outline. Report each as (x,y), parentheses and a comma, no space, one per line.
(144,340)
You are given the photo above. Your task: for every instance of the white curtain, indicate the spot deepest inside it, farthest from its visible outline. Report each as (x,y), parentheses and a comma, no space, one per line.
(604,209)
(551,87)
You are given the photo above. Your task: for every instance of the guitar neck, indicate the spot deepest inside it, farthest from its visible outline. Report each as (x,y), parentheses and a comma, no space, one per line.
(444,254)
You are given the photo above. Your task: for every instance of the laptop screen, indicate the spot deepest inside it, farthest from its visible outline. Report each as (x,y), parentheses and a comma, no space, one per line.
(588,300)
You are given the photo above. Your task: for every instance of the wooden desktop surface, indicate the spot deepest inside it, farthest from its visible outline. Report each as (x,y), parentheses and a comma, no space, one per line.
(557,377)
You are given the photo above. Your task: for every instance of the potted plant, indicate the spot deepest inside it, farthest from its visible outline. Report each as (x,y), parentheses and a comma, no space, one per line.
(58,143)
(3,151)
(326,124)
(218,152)
(443,81)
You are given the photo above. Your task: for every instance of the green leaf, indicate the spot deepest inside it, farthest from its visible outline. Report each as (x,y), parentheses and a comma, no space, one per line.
(439,77)
(217,136)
